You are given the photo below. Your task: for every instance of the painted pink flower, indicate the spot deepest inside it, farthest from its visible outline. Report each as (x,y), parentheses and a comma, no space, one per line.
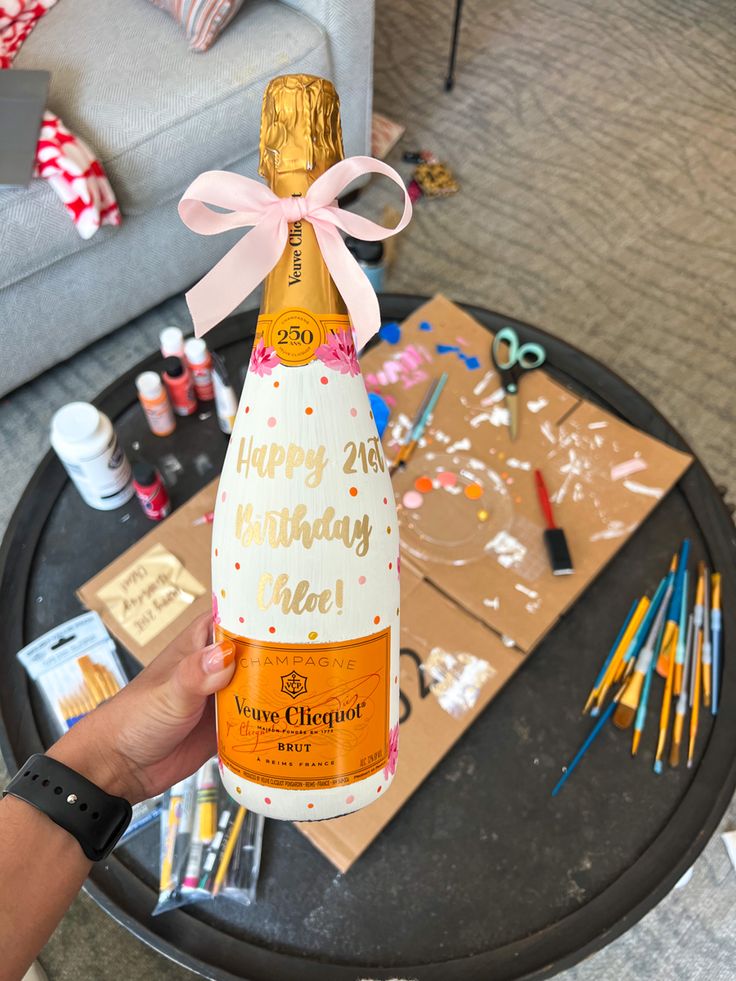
(263,359)
(215,610)
(339,353)
(393,752)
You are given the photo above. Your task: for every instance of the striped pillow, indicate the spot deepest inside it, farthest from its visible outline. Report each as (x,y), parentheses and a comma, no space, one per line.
(202,20)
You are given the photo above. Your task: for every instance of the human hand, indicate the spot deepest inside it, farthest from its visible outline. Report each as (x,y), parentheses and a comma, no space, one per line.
(160,727)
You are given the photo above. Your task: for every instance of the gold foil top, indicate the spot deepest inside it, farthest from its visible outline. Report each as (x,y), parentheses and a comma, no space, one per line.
(300,127)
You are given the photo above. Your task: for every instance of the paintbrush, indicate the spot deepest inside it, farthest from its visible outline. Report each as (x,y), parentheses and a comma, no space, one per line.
(637,641)
(681,639)
(641,709)
(707,650)
(716,620)
(612,671)
(626,711)
(665,711)
(669,641)
(609,658)
(697,665)
(421,419)
(681,707)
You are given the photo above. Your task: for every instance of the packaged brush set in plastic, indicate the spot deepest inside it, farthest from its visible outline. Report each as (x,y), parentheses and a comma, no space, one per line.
(210,846)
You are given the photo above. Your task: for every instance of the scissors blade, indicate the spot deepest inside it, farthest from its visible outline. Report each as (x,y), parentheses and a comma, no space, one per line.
(512,404)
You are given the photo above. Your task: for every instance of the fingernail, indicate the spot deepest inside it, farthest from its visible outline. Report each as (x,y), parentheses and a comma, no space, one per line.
(217,657)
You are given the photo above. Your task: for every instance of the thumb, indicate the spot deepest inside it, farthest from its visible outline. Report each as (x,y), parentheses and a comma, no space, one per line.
(202,673)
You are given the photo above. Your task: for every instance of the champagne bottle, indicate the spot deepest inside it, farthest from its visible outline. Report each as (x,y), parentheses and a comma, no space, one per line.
(305,564)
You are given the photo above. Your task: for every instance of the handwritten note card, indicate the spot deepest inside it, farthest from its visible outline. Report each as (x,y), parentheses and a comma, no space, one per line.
(150,593)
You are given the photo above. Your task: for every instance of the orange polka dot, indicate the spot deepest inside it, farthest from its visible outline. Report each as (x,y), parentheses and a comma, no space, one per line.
(473,491)
(376,619)
(423,485)
(275,384)
(504,474)
(310,805)
(309,410)
(353,491)
(237,565)
(217,551)
(518,500)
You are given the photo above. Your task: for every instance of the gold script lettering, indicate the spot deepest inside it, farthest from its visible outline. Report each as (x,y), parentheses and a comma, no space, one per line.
(302,599)
(266,460)
(283,528)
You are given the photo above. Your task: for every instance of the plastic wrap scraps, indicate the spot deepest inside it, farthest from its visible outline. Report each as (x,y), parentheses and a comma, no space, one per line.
(209,845)
(456,679)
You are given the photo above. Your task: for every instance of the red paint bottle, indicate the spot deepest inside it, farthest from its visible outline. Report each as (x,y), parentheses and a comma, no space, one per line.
(151,491)
(180,387)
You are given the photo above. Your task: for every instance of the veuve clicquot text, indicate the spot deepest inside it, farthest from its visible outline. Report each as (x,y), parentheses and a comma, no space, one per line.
(305,563)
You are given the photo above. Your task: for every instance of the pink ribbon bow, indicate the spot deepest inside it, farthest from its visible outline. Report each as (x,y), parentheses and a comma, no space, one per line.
(251,259)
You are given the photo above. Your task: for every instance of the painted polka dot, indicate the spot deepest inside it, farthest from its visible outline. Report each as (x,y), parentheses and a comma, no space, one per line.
(267,800)
(376,620)
(446,478)
(509,481)
(396,679)
(423,485)
(323,380)
(223,496)
(247,409)
(310,805)
(390,565)
(378,791)
(412,500)
(482,516)
(312,635)
(276,384)
(238,790)
(397,611)
(388,529)
(241,619)
(361,580)
(223,593)
(473,492)
(272,421)
(504,474)
(309,410)
(370,413)
(237,565)
(353,413)
(349,799)
(385,500)
(217,551)
(353,491)
(272,630)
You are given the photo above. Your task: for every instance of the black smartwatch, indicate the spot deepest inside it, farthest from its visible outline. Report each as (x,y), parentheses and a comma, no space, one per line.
(94,818)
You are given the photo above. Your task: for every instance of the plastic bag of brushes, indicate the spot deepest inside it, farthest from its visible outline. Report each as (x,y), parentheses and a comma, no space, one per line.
(209,845)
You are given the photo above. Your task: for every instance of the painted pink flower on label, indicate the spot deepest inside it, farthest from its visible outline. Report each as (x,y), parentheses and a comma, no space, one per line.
(215,610)
(393,752)
(263,359)
(339,354)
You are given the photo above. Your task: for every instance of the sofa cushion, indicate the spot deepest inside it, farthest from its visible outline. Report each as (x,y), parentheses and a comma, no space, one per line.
(201,20)
(156,113)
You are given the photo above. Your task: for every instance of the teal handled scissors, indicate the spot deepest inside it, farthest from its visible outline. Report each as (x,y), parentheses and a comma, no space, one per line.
(518,359)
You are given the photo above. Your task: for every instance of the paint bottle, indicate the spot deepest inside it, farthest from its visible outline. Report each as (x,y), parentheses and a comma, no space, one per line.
(151,491)
(179,385)
(200,365)
(305,537)
(226,403)
(155,403)
(369,256)
(171,340)
(88,448)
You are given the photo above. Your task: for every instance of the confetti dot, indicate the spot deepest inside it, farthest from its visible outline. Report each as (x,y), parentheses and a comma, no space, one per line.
(272,421)
(482,516)
(309,410)
(267,800)
(223,593)
(412,500)
(361,580)
(312,635)
(501,456)
(353,491)
(447,478)
(223,496)
(275,384)
(473,491)
(349,799)
(237,565)
(310,805)
(241,619)
(425,325)
(509,481)
(423,485)
(323,379)
(518,500)
(504,474)
(376,619)
(353,413)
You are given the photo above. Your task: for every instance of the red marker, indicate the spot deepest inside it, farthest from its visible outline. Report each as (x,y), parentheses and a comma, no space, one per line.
(554,537)
(150,491)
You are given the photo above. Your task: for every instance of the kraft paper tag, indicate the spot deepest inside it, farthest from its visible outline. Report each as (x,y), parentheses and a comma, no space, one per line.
(150,593)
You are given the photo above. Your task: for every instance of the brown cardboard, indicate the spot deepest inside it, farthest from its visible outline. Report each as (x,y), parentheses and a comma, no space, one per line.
(607,475)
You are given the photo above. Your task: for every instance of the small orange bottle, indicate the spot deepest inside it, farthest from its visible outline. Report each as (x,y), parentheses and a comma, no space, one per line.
(155,403)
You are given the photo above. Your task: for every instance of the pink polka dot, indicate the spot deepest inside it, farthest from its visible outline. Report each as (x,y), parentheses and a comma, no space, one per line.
(272,421)
(323,380)
(267,800)
(241,619)
(223,496)
(446,479)
(412,500)
(349,799)
(385,500)
(361,580)
(353,413)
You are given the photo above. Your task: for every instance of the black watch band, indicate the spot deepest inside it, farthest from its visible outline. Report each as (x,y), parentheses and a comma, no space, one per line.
(94,818)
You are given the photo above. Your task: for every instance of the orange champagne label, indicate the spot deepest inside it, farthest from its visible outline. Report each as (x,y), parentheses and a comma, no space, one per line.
(295,333)
(306,717)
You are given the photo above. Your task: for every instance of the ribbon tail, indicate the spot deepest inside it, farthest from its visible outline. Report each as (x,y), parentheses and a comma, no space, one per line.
(352,283)
(237,274)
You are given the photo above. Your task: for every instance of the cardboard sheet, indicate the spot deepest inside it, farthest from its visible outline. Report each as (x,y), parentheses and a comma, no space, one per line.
(487,613)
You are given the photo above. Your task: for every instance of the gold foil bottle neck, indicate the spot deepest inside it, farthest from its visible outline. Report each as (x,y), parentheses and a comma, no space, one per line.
(300,127)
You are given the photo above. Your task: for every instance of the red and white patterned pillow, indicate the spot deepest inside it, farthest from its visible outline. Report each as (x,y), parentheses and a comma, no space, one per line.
(202,20)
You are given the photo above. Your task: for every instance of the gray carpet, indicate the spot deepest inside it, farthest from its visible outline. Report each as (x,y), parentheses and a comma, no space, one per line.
(595,141)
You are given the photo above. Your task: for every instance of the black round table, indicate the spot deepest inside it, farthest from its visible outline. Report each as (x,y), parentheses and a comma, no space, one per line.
(482,874)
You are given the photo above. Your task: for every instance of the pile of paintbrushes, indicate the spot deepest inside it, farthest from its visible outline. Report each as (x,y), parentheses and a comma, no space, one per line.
(684,648)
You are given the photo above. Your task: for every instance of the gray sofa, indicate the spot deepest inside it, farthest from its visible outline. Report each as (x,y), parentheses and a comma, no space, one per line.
(157,115)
